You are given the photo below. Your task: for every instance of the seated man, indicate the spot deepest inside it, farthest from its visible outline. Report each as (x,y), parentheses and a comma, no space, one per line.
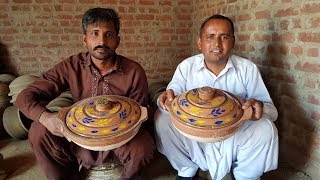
(253,149)
(100,71)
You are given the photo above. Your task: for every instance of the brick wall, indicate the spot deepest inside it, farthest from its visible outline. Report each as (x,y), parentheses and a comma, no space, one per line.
(37,34)
(281,36)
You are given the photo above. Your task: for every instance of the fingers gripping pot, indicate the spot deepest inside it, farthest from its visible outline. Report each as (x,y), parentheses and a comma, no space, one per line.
(102,123)
(207,115)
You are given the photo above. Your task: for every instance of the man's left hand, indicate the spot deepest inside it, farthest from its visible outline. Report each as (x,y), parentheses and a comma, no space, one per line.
(257,107)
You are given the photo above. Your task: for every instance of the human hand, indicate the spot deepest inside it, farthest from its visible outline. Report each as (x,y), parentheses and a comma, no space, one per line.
(50,121)
(257,107)
(166,95)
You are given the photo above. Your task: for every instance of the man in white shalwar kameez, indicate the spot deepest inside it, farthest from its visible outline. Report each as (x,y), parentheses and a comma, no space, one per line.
(253,149)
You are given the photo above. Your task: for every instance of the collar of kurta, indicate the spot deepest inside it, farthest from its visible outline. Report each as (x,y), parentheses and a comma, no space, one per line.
(201,65)
(117,66)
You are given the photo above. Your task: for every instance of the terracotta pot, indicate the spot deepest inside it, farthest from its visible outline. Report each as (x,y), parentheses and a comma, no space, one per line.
(15,123)
(57,104)
(4,89)
(7,78)
(20,83)
(103,122)
(207,115)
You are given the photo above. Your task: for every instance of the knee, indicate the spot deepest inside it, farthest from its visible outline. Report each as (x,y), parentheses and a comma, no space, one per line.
(143,148)
(266,131)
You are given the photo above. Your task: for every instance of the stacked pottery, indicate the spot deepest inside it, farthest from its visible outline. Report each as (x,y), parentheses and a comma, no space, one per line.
(14,122)
(5,80)
(18,84)
(64,100)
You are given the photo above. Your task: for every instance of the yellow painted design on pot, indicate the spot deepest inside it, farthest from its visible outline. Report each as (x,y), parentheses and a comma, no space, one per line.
(184,117)
(122,126)
(70,120)
(195,111)
(216,102)
(79,111)
(113,110)
(103,122)
(201,121)
(82,128)
(105,131)
(228,119)
(229,105)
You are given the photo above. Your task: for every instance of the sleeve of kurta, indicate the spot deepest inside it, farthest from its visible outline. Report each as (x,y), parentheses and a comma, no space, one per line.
(32,100)
(256,89)
(139,89)
(179,79)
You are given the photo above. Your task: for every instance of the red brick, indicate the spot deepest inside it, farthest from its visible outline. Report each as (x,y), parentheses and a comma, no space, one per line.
(132,2)
(243,37)
(315,22)
(285,37)
(307,67)
(244,17)
(184,3)
(67,1)
(311,7)
(132,44)
(165,3)
(263,14)
(315,115)
(28,45)
(262,37)
(284,24)
(144,17)
(110,2)
(87,1)
(146,2)
(313,52)
(296,23)
(287,12)
(43,1)
(310,82)
(22,1)
(313,99)
(309,37)
(297,50)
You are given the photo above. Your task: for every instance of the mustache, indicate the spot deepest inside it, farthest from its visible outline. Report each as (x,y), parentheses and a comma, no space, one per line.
(102,47)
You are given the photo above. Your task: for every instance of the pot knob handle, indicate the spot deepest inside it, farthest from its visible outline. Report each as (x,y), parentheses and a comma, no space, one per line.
(104,104)
(206,93)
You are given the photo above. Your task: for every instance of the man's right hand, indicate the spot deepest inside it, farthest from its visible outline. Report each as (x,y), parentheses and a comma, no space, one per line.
(50,121)
(166,95)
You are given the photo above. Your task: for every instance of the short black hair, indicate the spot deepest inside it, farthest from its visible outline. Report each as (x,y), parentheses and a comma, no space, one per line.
(100,15)
(216,16)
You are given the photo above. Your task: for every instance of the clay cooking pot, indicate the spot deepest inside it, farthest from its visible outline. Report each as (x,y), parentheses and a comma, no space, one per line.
(102,123)
(207,115)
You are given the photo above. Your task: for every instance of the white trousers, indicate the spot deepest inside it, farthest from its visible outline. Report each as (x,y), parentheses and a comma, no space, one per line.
(250,152)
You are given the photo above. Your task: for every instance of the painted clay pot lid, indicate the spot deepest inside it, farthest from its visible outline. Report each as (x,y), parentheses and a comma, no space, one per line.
(207,114)
(103,122)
